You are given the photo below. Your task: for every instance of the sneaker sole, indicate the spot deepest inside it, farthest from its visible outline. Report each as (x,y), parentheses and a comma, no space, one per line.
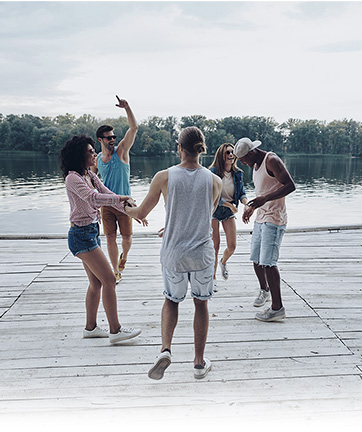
(280,317)
(261,304)
(203,375)
(158,370)
(95,337)
(124,338)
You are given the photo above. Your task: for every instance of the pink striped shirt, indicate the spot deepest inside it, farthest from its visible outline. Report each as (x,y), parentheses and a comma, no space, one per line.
(85,201)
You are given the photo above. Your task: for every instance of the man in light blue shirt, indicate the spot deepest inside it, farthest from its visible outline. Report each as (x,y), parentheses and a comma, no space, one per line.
(113,164)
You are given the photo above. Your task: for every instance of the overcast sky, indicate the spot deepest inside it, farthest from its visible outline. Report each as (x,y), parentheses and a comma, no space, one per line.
(274,59)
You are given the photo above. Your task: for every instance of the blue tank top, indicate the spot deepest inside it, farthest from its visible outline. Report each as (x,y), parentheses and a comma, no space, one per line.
(115,174)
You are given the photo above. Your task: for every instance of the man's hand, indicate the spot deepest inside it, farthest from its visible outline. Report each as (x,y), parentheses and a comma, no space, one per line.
(130,202)
(144,222)
(248,211)
(122,103)
(257,202)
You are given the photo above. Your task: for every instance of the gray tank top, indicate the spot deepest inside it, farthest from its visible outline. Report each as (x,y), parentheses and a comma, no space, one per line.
(187,239)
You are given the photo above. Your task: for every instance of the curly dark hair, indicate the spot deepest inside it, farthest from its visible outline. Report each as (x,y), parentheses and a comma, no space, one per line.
(73,154)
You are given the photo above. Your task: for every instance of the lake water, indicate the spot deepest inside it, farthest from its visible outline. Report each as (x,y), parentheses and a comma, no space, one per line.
(34,201)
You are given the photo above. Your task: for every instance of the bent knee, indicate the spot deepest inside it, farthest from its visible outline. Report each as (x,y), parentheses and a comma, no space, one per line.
(112,236)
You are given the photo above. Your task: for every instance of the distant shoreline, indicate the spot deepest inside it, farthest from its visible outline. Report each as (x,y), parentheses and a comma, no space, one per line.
(330,228)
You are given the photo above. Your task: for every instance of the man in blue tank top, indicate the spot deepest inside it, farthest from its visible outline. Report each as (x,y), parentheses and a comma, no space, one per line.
(113,164)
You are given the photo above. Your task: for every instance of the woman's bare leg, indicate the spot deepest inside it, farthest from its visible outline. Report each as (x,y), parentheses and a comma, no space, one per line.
(216,241)
(229,226)
(98,265)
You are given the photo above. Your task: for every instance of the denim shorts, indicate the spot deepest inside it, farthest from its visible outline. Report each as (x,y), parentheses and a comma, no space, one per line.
(265,243)
(222,213)
(176,284)
(83,238)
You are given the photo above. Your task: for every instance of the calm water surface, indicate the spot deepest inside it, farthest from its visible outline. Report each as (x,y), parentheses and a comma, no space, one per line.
(33,197)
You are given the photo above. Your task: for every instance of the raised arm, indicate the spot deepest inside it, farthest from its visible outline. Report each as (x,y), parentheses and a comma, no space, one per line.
(158,186)
(127,142)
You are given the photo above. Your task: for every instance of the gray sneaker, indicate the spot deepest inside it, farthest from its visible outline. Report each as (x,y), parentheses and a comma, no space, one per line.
(262,298)
(224,270)
(271,315)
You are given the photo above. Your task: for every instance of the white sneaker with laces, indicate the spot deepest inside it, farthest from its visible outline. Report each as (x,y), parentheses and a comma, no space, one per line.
(162,362)
(201,371)
(123,334)
(271,315)
(224,270)
(97,332)
(262,298)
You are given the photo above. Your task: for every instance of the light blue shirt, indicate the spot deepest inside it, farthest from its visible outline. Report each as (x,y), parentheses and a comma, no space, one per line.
(115,174)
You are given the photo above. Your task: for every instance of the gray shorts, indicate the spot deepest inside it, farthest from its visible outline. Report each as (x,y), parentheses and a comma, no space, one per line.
(265,243)
(176,284)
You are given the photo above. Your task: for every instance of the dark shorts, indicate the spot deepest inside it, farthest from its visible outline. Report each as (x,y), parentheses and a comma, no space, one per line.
(83,238)
(222,213)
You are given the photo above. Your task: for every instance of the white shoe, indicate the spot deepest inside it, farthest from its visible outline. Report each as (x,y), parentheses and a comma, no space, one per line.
(201,371)
(123,334)
(271,315)
(163,361)
(224,270)
(97,332)
(262,298)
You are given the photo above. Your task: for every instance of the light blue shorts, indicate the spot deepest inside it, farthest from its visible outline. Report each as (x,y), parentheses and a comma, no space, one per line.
(265,243)
(176,284)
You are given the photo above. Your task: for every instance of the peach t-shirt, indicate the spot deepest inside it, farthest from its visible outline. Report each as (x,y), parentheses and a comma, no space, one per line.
(272,211)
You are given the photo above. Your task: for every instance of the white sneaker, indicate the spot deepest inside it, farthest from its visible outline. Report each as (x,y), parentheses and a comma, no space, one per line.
(201,371)
(97,332)
(262,298)
(224,270)
(271,315)
(162,362)
(214,287)
(123,334)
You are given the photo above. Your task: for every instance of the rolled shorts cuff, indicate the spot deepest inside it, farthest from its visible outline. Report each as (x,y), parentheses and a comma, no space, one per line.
(176,284)
(222,213)
(83,239)
(265,243)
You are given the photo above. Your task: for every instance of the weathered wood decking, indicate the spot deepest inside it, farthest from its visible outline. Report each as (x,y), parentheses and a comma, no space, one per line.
(307,367)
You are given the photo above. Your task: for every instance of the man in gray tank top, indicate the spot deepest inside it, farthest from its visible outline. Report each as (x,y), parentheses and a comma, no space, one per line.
(191,193)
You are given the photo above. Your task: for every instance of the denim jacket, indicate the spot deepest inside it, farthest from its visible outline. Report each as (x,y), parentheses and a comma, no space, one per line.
(239,191)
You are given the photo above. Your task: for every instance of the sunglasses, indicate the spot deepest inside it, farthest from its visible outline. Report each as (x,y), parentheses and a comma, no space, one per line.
(109,138)
(228,152)
(92,151)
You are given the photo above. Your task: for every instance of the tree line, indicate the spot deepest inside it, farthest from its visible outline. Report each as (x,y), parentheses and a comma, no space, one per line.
(158,135)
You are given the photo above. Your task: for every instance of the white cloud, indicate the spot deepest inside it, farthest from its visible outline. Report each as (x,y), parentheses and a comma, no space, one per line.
(278,59)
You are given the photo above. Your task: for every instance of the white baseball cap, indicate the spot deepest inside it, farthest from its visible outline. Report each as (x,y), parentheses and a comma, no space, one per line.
(244,146)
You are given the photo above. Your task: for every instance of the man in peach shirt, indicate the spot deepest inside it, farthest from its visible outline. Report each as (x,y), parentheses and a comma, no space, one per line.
(272,183)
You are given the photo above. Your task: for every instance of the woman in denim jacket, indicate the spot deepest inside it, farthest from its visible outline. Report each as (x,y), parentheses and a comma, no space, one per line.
(224,165)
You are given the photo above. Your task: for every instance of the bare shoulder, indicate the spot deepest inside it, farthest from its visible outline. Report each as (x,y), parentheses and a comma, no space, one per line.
(274,163)
(161,175)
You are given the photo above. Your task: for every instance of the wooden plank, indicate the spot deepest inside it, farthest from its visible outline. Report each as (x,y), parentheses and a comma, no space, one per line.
(310,362)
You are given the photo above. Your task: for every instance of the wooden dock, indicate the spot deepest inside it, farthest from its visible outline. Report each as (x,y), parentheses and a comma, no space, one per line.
(305,369)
